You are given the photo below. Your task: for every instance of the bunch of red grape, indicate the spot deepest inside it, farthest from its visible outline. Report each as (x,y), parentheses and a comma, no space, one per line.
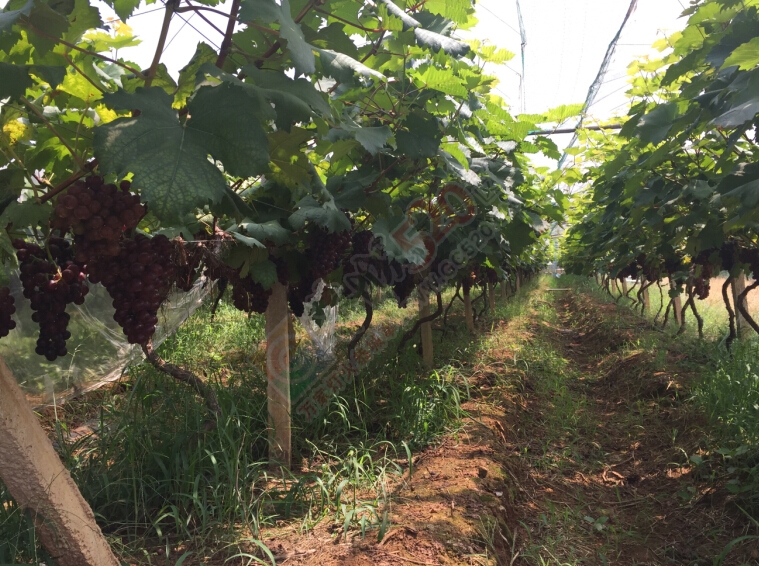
(249,296)
(50,290)
(300,293)
(97,214)
(7,308)
(138,279)
(327,249)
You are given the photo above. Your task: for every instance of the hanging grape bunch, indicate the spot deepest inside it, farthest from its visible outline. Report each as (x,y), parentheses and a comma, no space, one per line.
(7,309)
(97,214)
(327,249)
(249,296)
(49,289)
(139,280)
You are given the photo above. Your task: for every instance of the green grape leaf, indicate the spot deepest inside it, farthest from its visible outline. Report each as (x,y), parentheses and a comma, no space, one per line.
(326,215)
(456,10)
(349,191)
(15,79)
(187,76)
(342,68)
(232,205)
(443,80)
(124,8)
(654,126)
(11,183)
(23,214)
(463,173)
(745,57)
(169,159)
(371,138)
(83,17)
(739,114)
(269,12)
(246,240)
(400,240)
(408,21)
(436,42)
(7,19)
(264,273)
(289,165)
(422,138)
(268,231)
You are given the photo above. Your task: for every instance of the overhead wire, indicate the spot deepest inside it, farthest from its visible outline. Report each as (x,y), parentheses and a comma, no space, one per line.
(596,84)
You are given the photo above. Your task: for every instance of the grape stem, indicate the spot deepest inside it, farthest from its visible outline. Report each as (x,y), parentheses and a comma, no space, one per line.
(184,376)
(410,334)
(369,308)
(73,178)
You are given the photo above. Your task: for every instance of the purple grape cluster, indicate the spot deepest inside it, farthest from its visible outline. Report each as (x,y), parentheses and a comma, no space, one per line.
(249,296)
(49,289)
(97,214)
(326,249)
(7,309)
(138,279)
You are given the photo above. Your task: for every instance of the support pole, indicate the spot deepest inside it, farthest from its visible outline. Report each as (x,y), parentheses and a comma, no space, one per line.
(624,286)
(39,482)
(468,314)
(644,294)
(518,282)
(278,375)
(739,285)
(426,329)
(491,297)
(677,304)
(504,292)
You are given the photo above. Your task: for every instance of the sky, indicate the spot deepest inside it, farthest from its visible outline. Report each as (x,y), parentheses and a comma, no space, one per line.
(566,43)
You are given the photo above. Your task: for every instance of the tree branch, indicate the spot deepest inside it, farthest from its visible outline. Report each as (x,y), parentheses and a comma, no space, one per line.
(171,5)
(410,334)
(184,376)
(73,178)
(369,308)
(50,127)
(227,42)
(730,313)
(88,52)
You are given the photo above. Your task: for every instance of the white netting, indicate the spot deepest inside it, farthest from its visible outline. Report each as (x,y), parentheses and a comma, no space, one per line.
(322,337)
(98,350)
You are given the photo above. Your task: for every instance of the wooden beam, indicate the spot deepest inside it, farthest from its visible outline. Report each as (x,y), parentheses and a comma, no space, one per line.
(468,313)
(738,286)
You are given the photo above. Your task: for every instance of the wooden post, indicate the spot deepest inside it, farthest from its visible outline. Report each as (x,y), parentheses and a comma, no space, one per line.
(624,286)
(491,297)
(518,282)
(614,285)
(645,296)
(504,292)
(468,314)
(278,375)
(677,304)
(739,285)
(426,329)
(291,335)
(39,482)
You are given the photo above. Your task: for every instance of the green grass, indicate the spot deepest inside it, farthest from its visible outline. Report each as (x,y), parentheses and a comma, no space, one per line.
(156,477)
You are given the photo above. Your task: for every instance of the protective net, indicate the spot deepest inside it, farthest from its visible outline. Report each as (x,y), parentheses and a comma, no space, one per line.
(98,349)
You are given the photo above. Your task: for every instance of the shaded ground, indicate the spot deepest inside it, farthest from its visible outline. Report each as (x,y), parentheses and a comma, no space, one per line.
(579,449)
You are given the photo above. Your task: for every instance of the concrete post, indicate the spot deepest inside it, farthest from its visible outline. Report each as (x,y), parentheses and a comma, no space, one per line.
(468,313)
(426,329)
(278,375)
(738,286)
(38,481)
(677,305)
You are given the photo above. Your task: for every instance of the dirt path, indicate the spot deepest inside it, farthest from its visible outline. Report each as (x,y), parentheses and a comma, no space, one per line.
(608,446)
(578,448)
